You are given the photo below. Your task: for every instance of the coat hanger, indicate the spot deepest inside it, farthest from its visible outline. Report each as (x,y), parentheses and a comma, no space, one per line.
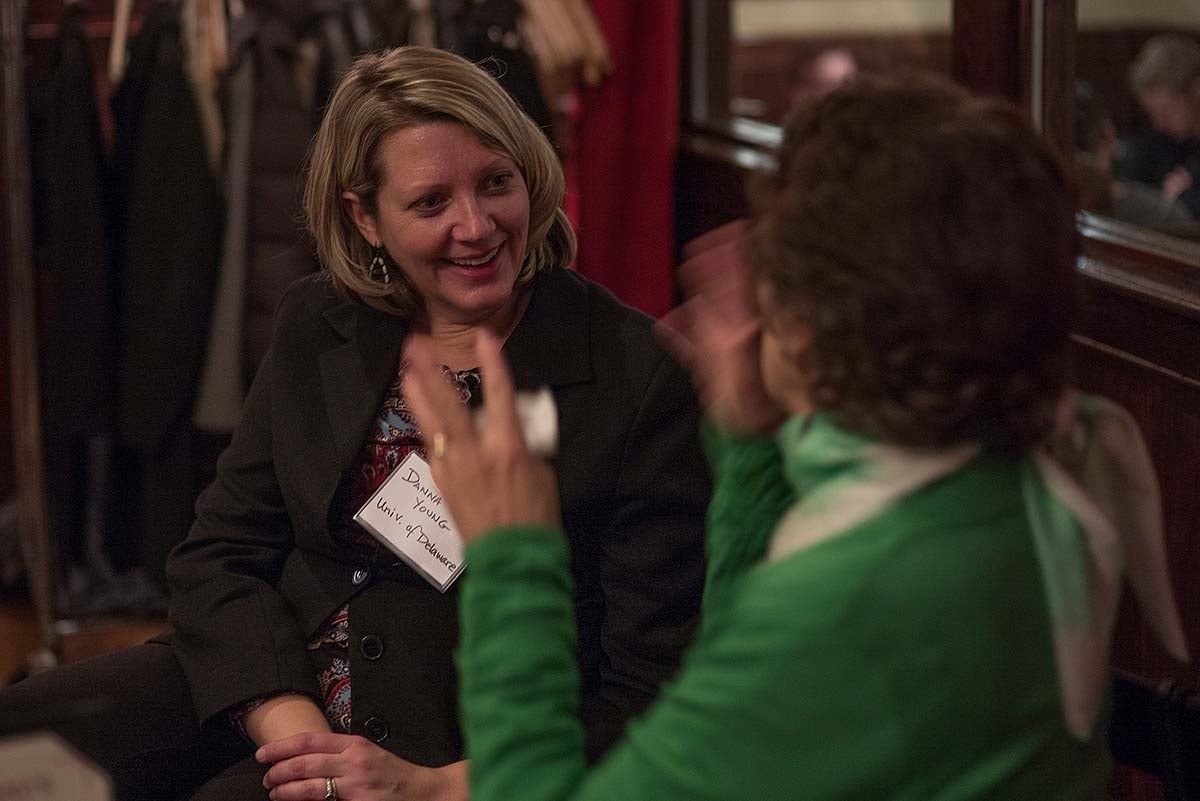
(122,9)
(597,61)
(558,47)
(205,35)
(422,23)
(565,38)
(534,35)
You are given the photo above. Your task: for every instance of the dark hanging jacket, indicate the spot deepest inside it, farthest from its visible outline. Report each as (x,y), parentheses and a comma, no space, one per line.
(290,93)
(170,236)
(78,347)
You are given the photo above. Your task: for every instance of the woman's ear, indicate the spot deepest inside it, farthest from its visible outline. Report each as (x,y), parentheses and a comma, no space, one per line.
(793,336)
(363,219)
(795,339)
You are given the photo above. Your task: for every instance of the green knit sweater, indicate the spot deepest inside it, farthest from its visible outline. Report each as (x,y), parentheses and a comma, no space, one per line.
(909,657)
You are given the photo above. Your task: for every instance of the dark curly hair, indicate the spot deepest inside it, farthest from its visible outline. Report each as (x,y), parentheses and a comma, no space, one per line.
(927,240)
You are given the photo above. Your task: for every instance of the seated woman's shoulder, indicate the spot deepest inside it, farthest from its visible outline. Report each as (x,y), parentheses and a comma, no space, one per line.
(315,290)
(612,318)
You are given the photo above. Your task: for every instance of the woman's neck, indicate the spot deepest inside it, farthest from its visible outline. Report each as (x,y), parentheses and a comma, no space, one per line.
(454,342)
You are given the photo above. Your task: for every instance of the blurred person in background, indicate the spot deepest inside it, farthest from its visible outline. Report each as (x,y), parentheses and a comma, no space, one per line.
(1165,79)
(1101,191)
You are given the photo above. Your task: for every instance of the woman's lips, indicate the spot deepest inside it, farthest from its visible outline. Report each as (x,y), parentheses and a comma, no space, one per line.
(479,269)
(480,261)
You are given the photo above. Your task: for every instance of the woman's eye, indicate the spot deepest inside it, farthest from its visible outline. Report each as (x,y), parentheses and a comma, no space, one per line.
(428,203)
(500,180)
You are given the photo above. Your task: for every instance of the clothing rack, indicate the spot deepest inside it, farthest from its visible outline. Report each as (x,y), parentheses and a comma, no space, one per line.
(561,37)
(33,530)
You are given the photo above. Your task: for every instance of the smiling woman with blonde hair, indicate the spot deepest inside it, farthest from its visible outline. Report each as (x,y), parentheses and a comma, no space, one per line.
(410,87)
(436,206)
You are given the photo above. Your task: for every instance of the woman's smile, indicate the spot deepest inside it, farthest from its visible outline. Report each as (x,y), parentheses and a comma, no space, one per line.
(478,268)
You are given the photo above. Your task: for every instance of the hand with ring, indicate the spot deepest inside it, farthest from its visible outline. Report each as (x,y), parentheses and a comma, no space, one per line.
(482,466)
(344,767)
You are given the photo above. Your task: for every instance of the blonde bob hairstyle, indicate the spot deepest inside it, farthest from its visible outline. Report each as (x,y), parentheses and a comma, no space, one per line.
(396,89)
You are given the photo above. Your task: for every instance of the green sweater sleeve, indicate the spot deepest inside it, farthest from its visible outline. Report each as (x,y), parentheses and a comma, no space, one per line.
(715,732)
(520,704)
(749,498)
(516,660)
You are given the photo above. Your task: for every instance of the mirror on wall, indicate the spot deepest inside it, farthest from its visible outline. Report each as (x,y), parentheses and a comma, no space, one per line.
(784,50)
(1137,114)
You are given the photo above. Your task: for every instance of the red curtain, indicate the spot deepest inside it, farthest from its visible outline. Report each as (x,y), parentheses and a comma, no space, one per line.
(626,139)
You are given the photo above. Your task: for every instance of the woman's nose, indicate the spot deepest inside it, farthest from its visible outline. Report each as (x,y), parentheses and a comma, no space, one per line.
(474,221)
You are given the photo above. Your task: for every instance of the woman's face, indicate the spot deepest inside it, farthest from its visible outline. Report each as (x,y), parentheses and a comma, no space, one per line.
(454,216)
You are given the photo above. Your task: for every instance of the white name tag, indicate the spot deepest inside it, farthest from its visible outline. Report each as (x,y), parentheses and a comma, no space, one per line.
(408,515)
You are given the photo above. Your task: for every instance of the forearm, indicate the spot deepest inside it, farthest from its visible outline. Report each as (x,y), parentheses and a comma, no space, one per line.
(520,688)
(283,716)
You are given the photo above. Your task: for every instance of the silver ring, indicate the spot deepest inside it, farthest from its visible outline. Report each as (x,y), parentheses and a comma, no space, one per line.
(331,790)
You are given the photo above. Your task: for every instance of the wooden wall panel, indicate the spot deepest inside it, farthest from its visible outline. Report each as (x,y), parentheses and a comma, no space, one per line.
(709,189)
(8,482)
(1145,354)
(1168,410)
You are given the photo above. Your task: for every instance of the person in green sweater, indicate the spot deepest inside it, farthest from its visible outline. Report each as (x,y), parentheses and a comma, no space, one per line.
(912,570)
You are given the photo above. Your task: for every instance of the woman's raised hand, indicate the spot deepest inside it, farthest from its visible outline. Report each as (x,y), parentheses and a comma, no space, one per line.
(481,465)
(301,766)
(716,333)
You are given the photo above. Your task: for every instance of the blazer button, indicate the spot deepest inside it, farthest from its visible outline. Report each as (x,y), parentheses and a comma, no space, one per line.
(371,647)
(376,729)
(360,576)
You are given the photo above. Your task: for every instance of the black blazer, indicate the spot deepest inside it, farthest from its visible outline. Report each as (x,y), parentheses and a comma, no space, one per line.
(259,572)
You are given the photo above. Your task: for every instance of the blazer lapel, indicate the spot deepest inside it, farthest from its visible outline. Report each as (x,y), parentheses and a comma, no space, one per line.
(356,374)
(550,346)
(552,343)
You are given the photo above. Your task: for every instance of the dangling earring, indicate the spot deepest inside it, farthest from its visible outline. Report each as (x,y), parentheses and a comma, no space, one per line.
(379,269)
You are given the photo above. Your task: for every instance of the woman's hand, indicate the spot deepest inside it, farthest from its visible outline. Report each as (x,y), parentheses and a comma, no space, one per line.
(361,770)
(716,333)
(487,476)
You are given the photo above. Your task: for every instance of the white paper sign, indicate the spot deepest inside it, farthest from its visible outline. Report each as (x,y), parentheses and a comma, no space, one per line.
(408,515)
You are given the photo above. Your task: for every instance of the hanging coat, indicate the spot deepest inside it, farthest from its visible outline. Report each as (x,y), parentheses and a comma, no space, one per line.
(75,274)
(170,237)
